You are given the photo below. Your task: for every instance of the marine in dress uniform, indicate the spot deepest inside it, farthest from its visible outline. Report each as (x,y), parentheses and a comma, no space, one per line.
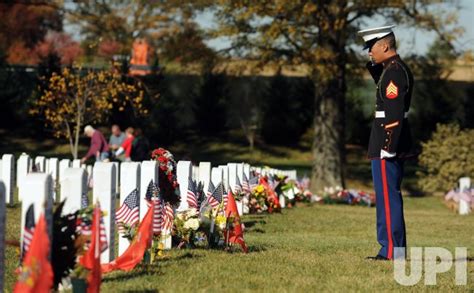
(390,139)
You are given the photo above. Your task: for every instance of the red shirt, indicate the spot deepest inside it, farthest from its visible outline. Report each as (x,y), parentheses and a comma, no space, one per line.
(127,146)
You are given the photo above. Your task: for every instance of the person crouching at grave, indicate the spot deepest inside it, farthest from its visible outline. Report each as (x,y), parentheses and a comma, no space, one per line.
(98,148)
(126,146)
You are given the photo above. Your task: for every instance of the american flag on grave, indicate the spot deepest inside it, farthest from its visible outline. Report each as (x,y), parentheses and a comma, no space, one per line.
(128,213)
(102,234)
(152,197)
(168,216)
(210,189)
(217,195)
(191,194)
(29,229)
(237,186)
(245,184)
(253,182)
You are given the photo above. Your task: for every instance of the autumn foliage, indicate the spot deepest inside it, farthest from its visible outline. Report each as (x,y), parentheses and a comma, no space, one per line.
(74,98)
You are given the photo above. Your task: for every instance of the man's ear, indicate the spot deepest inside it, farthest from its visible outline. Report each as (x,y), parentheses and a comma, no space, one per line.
(385,47)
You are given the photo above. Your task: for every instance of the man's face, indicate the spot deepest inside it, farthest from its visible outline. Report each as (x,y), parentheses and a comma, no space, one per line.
(115,130)
(376,52)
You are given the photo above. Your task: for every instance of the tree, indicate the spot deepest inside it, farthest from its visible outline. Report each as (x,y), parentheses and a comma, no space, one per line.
(115,24)
(74,98)
(23,25)
(318,35)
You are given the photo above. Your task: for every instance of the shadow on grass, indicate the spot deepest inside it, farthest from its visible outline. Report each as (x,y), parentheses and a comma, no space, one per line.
(141,270)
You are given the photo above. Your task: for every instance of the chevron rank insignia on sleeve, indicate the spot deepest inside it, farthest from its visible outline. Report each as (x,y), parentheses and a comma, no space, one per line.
(392,91)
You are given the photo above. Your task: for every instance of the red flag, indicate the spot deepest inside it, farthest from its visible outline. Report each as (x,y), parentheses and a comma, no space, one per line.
(91,259)
(235,235)
(36,273)
(134,253)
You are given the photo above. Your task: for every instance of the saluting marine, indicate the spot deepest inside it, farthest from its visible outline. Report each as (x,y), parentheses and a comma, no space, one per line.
(390,138)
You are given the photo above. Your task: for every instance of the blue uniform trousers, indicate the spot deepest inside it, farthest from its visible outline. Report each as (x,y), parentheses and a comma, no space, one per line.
(387,176)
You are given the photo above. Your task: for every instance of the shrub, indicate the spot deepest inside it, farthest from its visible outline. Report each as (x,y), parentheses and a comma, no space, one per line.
(446,157)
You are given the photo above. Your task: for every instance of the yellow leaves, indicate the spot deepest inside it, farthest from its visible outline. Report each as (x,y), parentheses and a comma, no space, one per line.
(74,94)
(309,8)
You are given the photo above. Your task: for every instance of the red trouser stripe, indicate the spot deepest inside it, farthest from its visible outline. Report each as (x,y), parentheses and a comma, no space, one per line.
(388,219)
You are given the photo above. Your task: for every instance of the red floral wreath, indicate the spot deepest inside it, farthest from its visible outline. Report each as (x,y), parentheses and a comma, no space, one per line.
(167,182)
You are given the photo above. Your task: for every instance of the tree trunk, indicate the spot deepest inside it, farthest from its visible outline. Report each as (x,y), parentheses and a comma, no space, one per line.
(329,131)
(77,131)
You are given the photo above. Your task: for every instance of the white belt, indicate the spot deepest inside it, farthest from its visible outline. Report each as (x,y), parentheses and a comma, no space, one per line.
(381,114)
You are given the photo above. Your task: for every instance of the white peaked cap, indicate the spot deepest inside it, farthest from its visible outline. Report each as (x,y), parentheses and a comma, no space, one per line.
(372,35)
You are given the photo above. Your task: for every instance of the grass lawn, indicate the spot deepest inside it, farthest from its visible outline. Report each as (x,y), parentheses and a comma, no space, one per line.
(306,248)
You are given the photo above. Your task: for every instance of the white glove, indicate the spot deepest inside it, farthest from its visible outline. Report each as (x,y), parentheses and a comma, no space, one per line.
(384,154)
(119,151)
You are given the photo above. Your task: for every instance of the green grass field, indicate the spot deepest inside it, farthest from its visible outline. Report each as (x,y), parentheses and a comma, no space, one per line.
(310,247)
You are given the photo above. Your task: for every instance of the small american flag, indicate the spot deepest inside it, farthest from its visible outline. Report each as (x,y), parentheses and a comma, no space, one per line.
(28,230)
(191,194)
(152,197)
(210,189)
(253,182)
(102,234)
(128,213)
(216,197)
(83,226)
(84,200)
(168,217)
(245,184)
(237,186)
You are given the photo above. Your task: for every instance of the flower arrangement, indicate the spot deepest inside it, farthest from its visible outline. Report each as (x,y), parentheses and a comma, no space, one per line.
(168,182)
(258,198)
(348,196)
(213,225)
(186,224)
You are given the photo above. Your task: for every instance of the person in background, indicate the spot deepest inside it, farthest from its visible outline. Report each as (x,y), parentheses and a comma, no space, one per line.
(126,145)
(98,148)
(140,147)
(116,138)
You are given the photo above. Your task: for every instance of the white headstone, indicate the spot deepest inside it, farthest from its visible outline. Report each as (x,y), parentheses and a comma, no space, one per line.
(117,176)
(225,174)
(247,170)
(73,186)
(23,167)
(183,173)
(63,165)
(282,201)
(8,176)
(52,168)
(205,174)
(130,175)
(40,164)
(104,193)
(217,176)
(37,189)
(232,171)
(464,206)
(76,163)
(148,172)
(195,173)
(3,218)
(240,172)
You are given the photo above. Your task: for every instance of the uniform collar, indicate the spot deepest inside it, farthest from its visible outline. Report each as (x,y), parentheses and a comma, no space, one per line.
(386,62)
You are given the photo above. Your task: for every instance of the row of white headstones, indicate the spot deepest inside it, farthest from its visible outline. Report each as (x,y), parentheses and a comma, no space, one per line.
(71,178)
